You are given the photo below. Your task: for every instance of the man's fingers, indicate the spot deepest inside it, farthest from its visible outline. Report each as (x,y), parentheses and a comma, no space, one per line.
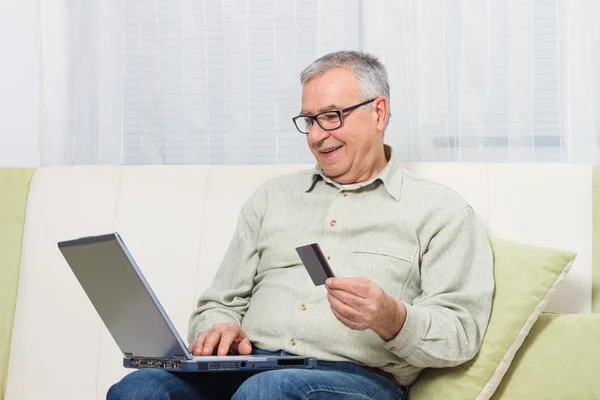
(351,300)
(222,338)
(212,340)
(345,321)
(356,286)
(344,310)
(198,344)
(227,339)
(359,287)
(244,347)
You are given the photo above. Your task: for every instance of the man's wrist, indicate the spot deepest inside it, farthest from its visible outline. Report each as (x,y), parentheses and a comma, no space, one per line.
(393,319)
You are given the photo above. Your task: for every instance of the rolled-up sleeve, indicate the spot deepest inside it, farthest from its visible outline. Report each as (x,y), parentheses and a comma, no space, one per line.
(445,324)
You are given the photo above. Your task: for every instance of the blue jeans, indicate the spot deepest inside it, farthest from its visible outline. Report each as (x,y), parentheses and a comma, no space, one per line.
(329,380)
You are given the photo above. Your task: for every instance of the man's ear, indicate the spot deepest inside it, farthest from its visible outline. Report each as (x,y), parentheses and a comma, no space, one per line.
(381,105)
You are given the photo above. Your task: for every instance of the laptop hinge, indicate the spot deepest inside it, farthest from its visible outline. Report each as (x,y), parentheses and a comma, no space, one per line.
(128,355)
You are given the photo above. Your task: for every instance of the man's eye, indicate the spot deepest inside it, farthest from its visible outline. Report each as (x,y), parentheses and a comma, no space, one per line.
(330,117)
(308,121)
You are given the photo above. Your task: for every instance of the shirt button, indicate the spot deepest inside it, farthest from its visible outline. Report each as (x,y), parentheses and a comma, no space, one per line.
(328,258)
(332,222)
(393,348)
(344,194)
(293,342)
(302,307)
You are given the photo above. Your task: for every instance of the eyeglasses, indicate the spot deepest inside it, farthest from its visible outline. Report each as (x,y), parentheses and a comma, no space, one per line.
(327,120)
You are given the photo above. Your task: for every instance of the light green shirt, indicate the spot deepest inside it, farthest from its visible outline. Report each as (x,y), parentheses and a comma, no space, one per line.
(418,240)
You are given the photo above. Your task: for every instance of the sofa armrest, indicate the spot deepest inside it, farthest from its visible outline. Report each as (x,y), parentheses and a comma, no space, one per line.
(14,188)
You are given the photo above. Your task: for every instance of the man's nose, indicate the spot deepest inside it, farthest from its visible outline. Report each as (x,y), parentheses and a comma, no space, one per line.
(316,133)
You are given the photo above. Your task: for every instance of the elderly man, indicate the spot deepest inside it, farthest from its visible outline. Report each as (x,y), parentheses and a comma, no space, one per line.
(414,268)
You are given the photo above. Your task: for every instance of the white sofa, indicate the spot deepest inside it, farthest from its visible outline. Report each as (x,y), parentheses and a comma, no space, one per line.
(177,222)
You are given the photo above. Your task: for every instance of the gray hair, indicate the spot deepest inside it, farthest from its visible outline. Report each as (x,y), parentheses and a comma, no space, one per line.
(368,70)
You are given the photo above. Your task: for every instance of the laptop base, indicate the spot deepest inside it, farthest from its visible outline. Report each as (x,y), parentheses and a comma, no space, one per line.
(223,363)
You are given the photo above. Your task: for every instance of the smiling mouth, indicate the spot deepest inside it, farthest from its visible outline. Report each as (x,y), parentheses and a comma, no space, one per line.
(330,150)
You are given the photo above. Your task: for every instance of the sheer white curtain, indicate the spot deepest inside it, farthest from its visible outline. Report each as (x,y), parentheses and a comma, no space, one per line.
(490,80)
(203,81)
(192,81)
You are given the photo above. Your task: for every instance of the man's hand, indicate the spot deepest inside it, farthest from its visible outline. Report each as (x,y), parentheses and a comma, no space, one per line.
(228,337)
(360,304)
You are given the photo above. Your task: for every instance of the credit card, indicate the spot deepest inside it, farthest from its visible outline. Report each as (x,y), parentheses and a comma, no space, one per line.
(315,263)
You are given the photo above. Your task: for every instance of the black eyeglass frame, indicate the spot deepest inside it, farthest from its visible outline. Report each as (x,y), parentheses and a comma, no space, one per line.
(338,112)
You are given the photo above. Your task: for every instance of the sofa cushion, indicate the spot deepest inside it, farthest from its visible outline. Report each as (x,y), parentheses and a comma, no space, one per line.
(526,278)
(14,186)
(558,360)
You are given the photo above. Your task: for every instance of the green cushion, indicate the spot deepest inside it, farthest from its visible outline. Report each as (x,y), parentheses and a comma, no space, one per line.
(526,277)
(14,187)
(559,360)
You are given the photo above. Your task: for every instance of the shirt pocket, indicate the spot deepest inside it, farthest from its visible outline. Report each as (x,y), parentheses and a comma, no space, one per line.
(401,251)
(387,264)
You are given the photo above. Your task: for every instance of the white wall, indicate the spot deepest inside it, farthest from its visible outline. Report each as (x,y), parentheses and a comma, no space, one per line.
(19,84)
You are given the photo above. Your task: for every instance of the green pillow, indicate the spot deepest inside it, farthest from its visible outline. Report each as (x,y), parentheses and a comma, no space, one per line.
(526,278)
(559,360)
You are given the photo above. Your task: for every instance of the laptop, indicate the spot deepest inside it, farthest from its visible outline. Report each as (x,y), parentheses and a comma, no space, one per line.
(135,318)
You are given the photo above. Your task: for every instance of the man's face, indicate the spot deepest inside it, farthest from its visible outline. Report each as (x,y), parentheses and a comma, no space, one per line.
(349,153)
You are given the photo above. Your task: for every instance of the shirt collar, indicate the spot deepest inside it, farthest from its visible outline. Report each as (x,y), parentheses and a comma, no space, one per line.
(390,175)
